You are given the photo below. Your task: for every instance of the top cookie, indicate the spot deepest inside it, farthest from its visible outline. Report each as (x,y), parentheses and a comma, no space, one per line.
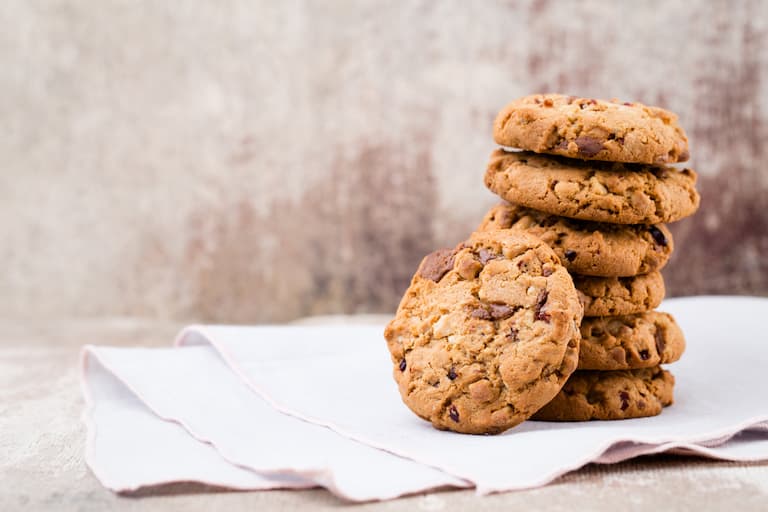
(591,129)
(486,334)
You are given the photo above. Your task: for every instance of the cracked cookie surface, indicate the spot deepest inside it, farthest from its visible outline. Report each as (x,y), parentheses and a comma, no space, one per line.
(614,395)
(591,129)
(605,296)
(627,342)
(595,191)
(486,334)
(589,248)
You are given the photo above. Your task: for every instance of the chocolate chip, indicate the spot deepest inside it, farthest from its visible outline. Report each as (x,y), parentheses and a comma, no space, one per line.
(453,413)
(512,336)
(546,271)
(480,313)
(563,144)
(548,102)
(588,146)
(641,404)
(541,300)
(437,264)
(570,255)
(644,355)
(624,396)
(683,156)
(661,343)
(452,373)
(658,236)
(628,104)
(501,311)
(402,365)
(485,256)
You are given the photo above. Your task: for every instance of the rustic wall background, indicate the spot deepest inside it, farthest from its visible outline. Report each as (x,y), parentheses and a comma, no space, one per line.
(260,161)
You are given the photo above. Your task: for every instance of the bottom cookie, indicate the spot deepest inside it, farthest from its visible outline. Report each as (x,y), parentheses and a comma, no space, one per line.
(611,395)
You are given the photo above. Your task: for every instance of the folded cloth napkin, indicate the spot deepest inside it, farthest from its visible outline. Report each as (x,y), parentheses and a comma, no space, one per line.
(295,407)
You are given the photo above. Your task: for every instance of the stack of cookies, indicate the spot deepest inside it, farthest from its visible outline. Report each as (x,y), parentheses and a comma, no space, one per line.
(590,178)
(547,310)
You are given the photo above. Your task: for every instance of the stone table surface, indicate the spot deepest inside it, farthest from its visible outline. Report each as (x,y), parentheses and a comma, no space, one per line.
(42,440)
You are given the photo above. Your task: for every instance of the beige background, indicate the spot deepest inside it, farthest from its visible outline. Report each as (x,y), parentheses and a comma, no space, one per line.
(261,161)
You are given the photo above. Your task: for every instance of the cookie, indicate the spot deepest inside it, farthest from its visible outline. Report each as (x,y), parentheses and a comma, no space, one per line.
(591,129)
(589,248)
(616,395)
(629,342)
(604,296)
(486,334)
(595,191)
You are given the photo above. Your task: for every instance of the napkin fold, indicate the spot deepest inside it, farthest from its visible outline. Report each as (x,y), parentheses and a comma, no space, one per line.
(295,407)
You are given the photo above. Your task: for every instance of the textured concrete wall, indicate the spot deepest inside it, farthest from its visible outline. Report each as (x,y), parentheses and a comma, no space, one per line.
(258,161)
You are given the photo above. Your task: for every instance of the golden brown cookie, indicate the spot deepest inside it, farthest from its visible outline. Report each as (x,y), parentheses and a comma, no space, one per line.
(591,129)
(486,334)
(594,191)
(589,248)
(628,342)
(604,296)
(616,395)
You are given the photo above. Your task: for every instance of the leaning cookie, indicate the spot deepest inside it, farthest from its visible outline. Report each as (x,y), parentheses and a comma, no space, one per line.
(594,191)
(486,334)
(616,395)
(629,342)
(589,248)
(606,296)
(591,129)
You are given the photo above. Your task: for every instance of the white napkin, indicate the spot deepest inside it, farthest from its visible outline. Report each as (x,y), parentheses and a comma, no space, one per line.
(131,392)
(254,418)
